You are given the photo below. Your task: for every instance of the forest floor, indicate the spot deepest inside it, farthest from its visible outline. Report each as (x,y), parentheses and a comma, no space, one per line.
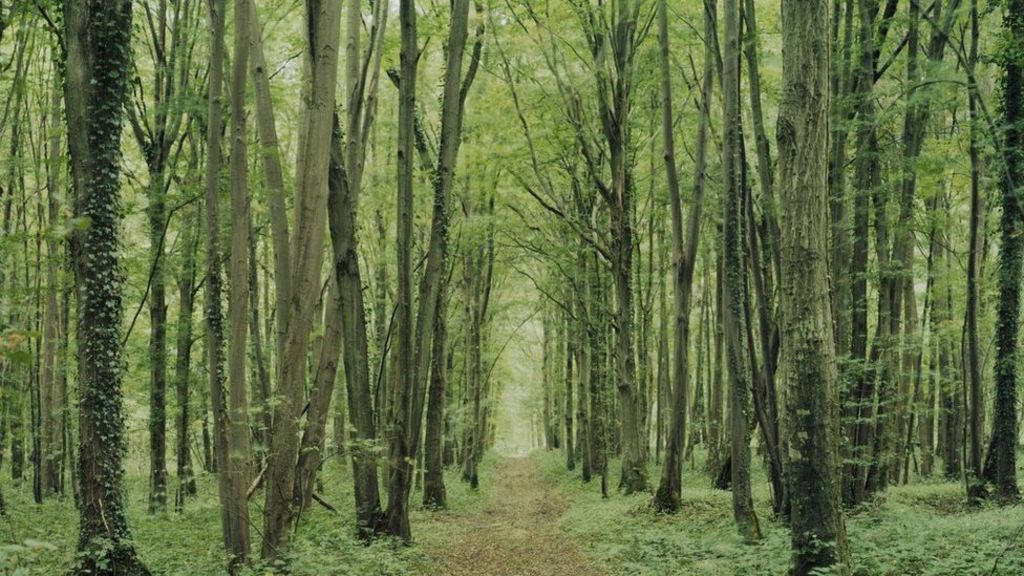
(516,532)
(530,517)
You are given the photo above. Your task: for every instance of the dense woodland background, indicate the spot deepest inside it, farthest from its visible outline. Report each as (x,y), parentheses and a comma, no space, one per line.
(306,286)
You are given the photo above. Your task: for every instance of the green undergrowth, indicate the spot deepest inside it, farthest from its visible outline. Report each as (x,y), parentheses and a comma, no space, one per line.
(922,529)
(40,539)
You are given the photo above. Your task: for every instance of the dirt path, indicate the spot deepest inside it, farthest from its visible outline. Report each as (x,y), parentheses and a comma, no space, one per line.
(517,533)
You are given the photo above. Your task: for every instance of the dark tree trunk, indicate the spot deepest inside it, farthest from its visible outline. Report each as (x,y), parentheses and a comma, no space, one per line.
(434,495)
(98,36)
(1011,253)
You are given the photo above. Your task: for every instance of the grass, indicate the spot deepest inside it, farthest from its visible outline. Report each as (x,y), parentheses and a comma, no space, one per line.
(40,539)
(923,530)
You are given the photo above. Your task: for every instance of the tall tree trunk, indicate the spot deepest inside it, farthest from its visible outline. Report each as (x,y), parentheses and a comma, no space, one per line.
(51,400)
(861,414)
(669,492)
(415,370)
(808,346)
(97,36)
(239,456)
(213,312)
(319,404)
(401,451)
(1011,253)
(735,279)
(569,348)
(323,26)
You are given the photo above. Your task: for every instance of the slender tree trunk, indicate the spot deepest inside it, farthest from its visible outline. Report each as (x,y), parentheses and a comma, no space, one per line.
(974,245)
(415,370)
(861,415)
(183,358)
(51,400)
(434,495)
(735,278)
(669,492)
(400,451)
(213,286)
(239,456)
(569,382)
(323,25)
(319,404)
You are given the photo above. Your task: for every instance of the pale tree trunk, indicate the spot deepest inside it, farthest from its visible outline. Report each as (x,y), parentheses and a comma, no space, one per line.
(323,20)
(808,364)
(273,176)
(239,457)
(97,38)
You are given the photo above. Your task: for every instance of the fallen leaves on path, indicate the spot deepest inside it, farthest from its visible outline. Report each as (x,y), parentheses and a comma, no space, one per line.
(517,533)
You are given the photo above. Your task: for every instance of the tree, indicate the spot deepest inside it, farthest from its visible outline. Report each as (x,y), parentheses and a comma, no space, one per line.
(362,82)
(1011,254)
(734,283)
(97,35)
(323,28)
(808,348)
(420,334)
(158,136)
(685,256)
(238,457)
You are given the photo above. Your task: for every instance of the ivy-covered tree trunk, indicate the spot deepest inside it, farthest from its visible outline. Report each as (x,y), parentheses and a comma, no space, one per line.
(808,367)
(98,35)
(1011,253)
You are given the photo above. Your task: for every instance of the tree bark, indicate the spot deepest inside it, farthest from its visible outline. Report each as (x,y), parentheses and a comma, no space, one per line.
(808,346)
(669,492)
(735,281)
(323,25)
(1011,253)
(98,36)
(239,457)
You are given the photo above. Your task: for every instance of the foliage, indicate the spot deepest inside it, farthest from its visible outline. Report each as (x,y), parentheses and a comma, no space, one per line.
(917,530)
